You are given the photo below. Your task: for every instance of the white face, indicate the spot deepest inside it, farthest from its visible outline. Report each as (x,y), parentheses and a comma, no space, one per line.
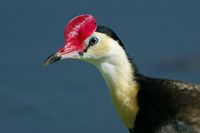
(99,47)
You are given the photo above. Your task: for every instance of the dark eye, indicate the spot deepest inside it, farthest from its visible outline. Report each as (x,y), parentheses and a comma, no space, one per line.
(93,40)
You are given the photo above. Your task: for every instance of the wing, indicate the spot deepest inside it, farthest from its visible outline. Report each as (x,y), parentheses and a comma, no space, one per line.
(177,127)
(162,101)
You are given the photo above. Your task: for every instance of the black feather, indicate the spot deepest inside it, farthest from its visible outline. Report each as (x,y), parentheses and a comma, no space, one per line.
(110,33)
(163,101)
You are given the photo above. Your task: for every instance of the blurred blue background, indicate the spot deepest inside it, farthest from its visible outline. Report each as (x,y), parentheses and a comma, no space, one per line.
(163,37)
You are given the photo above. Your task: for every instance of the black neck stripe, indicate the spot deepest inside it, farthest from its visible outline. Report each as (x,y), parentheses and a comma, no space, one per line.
(110,33)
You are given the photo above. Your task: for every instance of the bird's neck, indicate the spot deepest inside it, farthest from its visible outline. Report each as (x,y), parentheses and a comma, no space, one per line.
(119,76)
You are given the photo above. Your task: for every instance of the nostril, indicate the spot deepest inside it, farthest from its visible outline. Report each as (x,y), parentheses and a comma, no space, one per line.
(61,50)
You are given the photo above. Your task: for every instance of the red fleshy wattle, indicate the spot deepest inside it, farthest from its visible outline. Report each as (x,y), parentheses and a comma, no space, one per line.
(79,28)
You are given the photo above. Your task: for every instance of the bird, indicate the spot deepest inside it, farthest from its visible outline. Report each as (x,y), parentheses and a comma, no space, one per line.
(145,104)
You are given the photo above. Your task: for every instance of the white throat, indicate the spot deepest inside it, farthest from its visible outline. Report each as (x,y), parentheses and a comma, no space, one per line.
(118,74)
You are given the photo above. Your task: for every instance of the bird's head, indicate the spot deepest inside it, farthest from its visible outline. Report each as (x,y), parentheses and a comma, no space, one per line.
(86,41)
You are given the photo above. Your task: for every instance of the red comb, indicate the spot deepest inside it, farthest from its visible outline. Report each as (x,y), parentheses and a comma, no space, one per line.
(79,28)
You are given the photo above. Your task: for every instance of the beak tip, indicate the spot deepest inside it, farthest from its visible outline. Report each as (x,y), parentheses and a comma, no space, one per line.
(51,59)
(45,63)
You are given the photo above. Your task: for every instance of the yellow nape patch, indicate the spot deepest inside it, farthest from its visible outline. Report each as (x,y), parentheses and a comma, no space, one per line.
(125,101)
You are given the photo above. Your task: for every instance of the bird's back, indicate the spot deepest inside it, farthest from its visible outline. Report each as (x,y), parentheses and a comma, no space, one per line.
(167,106)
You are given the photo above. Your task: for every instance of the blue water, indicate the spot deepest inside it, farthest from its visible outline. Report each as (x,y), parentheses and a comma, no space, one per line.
(71,96)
